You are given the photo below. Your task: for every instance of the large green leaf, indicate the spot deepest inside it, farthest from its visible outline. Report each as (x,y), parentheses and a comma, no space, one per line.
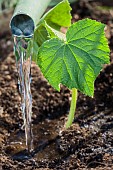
(76,62)
(59,15)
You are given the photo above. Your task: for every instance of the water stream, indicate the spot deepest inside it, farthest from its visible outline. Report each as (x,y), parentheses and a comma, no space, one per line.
(23,63)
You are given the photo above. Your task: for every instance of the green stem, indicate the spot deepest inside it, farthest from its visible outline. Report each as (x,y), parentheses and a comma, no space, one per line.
(72,108)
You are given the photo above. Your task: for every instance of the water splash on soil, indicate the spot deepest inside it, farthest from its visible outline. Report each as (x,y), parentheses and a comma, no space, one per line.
(23,63)
(46,134)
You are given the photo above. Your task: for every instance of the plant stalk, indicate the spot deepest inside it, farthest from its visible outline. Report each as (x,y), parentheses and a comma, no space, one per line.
(72,108)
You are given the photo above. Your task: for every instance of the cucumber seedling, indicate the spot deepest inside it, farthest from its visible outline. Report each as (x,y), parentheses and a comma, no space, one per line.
(73,59)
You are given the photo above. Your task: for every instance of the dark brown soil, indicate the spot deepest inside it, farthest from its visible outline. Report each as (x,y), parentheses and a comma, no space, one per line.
(88,143)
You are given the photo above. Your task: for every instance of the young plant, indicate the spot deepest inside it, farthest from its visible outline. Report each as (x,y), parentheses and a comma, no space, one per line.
(74,59)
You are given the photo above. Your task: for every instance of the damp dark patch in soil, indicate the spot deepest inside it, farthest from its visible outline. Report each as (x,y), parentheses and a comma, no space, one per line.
(88,143)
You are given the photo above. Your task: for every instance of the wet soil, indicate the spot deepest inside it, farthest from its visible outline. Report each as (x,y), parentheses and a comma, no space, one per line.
(88,143)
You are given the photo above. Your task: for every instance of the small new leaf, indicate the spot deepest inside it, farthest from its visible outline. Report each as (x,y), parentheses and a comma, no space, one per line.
(77,61)
(59,15)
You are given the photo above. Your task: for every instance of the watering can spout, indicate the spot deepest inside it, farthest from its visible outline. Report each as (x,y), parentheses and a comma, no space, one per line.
(22,25)
(26,16)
